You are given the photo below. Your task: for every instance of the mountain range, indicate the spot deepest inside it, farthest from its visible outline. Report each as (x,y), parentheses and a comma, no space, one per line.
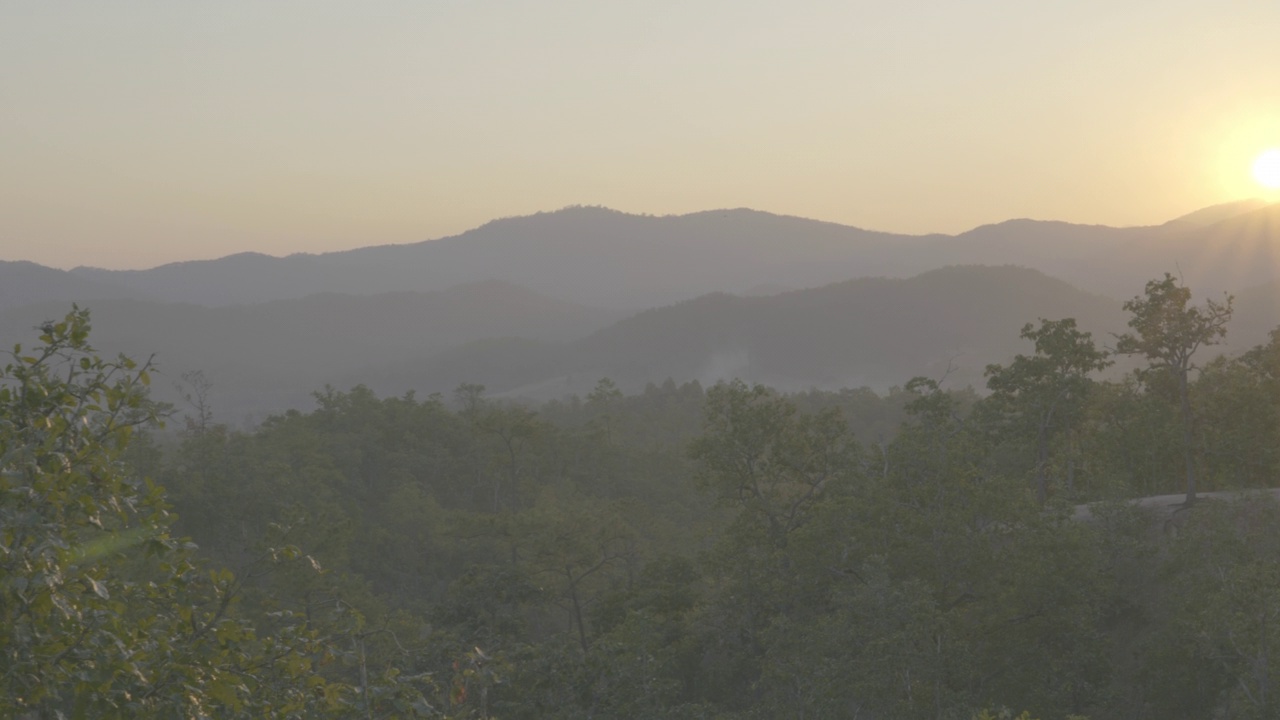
(611,259)
(547,304)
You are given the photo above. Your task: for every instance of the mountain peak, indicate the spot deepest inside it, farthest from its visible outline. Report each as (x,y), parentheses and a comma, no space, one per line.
(1215,214)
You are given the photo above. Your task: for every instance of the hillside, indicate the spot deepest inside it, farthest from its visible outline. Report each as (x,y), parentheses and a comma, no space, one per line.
(26,283)
(524,305)
(271,356)
(877,332)
(874,332)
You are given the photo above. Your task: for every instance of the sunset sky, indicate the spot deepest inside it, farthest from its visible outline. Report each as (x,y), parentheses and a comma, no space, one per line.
(137,133)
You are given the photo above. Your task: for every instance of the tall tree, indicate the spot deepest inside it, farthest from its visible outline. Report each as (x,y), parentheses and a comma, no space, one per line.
(758,452)
(102,612)
(1042,393)
(1167,331)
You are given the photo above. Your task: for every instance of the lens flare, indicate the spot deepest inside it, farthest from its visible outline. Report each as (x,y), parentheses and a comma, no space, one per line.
(1266,169)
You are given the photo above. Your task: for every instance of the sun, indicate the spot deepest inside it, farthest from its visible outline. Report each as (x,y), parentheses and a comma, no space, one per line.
(1266,169)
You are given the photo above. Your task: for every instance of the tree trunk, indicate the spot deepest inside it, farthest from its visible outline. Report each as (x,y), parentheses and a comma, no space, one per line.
(1042,460)
(577,609)
(1186,437)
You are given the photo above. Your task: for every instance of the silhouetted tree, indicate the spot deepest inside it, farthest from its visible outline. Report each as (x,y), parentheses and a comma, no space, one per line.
(1168,331)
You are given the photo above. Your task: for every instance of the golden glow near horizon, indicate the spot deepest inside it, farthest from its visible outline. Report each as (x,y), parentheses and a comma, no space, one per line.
(157,131)
(1266,169)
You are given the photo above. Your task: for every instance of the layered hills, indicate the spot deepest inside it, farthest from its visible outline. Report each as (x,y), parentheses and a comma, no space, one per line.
(546,305)
(875,332)
(611,259)
(271,356)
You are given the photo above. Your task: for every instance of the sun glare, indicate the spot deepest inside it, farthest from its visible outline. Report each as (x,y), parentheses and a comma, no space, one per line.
(1266,169)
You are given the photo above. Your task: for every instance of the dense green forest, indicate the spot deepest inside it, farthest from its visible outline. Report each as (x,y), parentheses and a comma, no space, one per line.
(684,552)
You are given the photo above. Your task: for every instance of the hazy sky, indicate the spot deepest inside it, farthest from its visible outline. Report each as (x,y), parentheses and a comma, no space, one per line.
(136,133)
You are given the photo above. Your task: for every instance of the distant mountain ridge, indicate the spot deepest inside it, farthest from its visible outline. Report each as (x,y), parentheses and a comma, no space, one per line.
(1217,213)
(272,356)
(547,304)
(874,332)
(606,258)
(877,332)
(26,283)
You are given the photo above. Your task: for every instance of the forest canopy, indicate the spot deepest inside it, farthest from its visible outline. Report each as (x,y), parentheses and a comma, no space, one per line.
(683,552)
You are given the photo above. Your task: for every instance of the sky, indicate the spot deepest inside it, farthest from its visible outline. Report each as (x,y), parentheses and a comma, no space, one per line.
(138,133)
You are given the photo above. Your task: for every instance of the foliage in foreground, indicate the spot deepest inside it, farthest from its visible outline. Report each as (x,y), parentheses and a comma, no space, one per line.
(103,613)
